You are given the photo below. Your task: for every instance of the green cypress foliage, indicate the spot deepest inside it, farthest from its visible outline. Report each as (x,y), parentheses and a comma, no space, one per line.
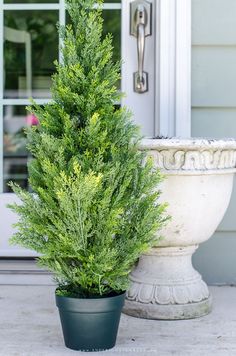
(94,208)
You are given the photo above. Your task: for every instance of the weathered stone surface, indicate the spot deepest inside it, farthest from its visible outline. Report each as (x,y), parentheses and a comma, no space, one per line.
(30,326)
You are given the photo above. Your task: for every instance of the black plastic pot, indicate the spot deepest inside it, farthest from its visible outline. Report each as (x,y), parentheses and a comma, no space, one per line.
(90,324)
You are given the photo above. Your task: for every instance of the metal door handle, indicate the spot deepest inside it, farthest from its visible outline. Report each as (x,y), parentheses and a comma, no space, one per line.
(141,47)
(140,28)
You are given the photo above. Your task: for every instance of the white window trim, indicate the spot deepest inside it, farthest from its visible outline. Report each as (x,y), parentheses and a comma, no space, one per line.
(52,6)
(173,68)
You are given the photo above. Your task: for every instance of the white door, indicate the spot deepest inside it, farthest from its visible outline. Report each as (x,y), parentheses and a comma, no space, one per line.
(29,44)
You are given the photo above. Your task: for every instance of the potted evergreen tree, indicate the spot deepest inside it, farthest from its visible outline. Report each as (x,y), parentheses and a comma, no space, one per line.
(94,209)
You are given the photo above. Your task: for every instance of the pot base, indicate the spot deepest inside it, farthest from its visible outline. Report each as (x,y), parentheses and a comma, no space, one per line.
(168,312)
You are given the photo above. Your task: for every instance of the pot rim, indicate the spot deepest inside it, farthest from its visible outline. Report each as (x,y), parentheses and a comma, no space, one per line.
(91,298)
(90,305)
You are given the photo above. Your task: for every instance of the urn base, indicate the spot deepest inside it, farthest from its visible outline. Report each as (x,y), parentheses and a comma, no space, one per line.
(164,285)
(168,312)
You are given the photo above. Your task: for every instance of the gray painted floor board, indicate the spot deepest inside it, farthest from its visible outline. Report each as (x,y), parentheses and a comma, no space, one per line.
(29,326)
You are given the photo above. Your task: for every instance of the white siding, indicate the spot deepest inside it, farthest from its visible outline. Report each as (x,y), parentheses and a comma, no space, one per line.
(214,115)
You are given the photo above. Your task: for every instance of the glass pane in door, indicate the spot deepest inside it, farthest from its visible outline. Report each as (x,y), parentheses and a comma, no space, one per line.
(30,48)
(112,24)
(15,153)
(41,27)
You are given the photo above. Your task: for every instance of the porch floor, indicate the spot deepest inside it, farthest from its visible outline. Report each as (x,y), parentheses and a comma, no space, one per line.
(29,326)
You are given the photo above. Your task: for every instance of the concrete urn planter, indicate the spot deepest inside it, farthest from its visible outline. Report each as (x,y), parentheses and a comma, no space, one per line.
(198,185)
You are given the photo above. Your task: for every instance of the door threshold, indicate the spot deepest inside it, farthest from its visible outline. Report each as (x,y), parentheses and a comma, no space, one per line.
(23,271)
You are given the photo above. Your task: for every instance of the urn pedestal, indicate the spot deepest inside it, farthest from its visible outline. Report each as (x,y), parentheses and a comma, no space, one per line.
(198,186)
